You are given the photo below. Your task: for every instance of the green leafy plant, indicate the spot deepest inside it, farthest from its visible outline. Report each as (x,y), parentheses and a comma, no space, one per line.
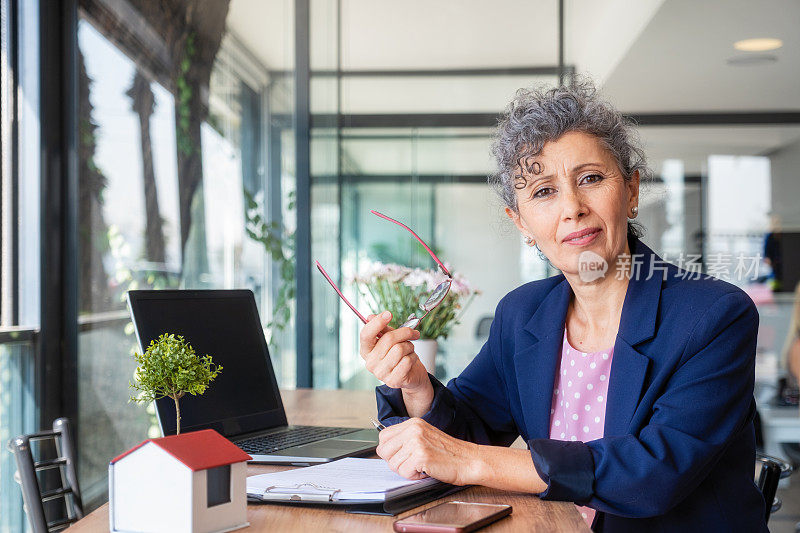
(183,96)
(170,368)
(280,246)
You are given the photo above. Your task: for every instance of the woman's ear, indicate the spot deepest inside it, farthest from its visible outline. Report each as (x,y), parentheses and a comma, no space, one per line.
(633,189)
(514,216)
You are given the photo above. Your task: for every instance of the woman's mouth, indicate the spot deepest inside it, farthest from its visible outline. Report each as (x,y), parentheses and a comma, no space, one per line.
(583,237)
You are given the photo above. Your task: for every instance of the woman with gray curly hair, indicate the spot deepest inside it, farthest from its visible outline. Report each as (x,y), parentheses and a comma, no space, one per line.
(630,379)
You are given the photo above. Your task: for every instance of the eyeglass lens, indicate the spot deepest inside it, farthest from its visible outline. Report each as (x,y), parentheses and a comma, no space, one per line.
(435,298)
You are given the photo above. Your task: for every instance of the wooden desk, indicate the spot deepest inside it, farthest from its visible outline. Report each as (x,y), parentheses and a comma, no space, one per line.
(352,409)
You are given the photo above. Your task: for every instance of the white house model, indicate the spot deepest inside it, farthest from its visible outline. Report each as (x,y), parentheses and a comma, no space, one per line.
(192,483)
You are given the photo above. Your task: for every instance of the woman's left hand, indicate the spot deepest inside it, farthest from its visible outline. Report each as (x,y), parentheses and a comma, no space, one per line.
(415,448)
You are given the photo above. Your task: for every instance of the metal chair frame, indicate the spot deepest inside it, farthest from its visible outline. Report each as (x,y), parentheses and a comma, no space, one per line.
(772,471)
(27,468)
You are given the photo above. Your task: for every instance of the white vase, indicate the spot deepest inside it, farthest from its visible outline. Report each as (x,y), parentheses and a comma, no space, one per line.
(426,351)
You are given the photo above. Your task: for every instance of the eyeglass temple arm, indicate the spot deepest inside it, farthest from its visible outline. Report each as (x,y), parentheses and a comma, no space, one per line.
(327,277)
(433,255)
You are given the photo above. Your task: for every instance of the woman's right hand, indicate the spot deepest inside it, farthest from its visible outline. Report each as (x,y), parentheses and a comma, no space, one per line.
(390,357)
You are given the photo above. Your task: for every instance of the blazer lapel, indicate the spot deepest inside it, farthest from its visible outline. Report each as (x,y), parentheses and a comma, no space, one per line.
(537,353)
(637,325)
(628,371)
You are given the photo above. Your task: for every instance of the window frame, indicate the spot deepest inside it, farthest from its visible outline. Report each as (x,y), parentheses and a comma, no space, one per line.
(56,367)
(8,196)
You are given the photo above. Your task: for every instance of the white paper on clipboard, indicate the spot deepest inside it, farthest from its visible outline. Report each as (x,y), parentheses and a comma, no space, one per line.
(349,479)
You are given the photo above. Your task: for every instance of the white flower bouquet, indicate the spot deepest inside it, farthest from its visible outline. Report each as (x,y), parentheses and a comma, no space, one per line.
(401,290)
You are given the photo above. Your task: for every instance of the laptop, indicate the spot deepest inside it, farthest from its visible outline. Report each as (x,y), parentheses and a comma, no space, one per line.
(243,403)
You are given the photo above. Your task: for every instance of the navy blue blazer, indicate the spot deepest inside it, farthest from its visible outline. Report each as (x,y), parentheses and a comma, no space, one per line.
(678,451)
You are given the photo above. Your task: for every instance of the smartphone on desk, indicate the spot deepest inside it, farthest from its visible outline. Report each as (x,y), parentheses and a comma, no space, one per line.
(453,517)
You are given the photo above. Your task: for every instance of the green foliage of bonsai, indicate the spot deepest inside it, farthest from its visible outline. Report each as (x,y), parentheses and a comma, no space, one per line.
(170,368)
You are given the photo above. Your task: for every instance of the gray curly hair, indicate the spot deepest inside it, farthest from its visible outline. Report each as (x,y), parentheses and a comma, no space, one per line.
(538,115)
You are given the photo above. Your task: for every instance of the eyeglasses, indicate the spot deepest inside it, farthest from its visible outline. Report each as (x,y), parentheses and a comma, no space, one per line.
(435,298)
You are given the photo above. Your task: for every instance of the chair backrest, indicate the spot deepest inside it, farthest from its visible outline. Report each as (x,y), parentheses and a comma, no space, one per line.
(483,326)
(27,468)
(771,472)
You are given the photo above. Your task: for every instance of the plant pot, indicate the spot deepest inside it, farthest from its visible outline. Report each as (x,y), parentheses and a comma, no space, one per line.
(426,351)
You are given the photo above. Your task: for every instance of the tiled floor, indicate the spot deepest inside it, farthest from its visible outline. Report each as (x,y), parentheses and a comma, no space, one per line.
(789,515)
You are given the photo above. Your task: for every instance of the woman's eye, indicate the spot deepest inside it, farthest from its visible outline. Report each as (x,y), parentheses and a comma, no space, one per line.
(592,178)
(544,191)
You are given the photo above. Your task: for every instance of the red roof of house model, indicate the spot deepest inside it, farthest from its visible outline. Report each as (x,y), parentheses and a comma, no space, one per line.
(199,450)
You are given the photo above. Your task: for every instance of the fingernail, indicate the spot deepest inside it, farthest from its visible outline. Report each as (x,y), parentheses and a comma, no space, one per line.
(386,314)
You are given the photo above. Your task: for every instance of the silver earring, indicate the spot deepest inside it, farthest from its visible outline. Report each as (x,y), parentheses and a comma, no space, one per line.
(634,211)
(529,241)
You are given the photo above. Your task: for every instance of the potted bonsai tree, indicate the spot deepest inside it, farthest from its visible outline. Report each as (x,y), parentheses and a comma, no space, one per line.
(170,368)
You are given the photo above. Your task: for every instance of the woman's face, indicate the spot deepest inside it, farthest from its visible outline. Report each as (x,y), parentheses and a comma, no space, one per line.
(575,185)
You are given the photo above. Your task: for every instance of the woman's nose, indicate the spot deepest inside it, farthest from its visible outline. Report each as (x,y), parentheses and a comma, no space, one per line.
(573,206)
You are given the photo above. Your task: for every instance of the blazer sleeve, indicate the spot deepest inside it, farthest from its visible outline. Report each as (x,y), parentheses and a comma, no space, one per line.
(474,406)
(706,402)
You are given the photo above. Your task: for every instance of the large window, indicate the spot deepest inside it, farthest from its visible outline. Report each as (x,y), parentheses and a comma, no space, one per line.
(185,182)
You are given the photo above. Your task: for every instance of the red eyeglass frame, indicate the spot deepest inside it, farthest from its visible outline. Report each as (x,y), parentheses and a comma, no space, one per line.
(433,255)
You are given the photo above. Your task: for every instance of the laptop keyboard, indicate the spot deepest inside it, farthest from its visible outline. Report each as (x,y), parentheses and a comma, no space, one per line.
(296,436)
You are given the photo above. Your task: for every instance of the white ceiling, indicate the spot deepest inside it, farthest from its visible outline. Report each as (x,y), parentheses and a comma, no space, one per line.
(679,62)
(599,34)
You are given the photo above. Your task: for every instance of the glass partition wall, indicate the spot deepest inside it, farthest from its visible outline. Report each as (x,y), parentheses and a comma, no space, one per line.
(364,156)
(413,129)
(409,128)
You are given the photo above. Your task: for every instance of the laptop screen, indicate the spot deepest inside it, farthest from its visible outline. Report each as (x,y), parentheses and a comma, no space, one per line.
(244,397)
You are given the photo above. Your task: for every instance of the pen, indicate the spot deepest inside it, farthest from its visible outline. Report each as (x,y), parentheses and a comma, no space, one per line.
(377,424)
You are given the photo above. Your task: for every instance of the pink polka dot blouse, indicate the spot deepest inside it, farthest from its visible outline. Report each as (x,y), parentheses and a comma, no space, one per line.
(578,411)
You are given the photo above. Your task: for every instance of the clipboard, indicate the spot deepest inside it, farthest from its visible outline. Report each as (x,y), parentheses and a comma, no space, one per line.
(391,507)
(366,486)
(404,503)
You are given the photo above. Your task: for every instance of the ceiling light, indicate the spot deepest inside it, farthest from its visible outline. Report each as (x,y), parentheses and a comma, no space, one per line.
(758,45)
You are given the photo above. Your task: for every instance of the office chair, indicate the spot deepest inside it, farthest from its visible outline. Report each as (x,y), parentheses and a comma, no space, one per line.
(26,475)
(771,472)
